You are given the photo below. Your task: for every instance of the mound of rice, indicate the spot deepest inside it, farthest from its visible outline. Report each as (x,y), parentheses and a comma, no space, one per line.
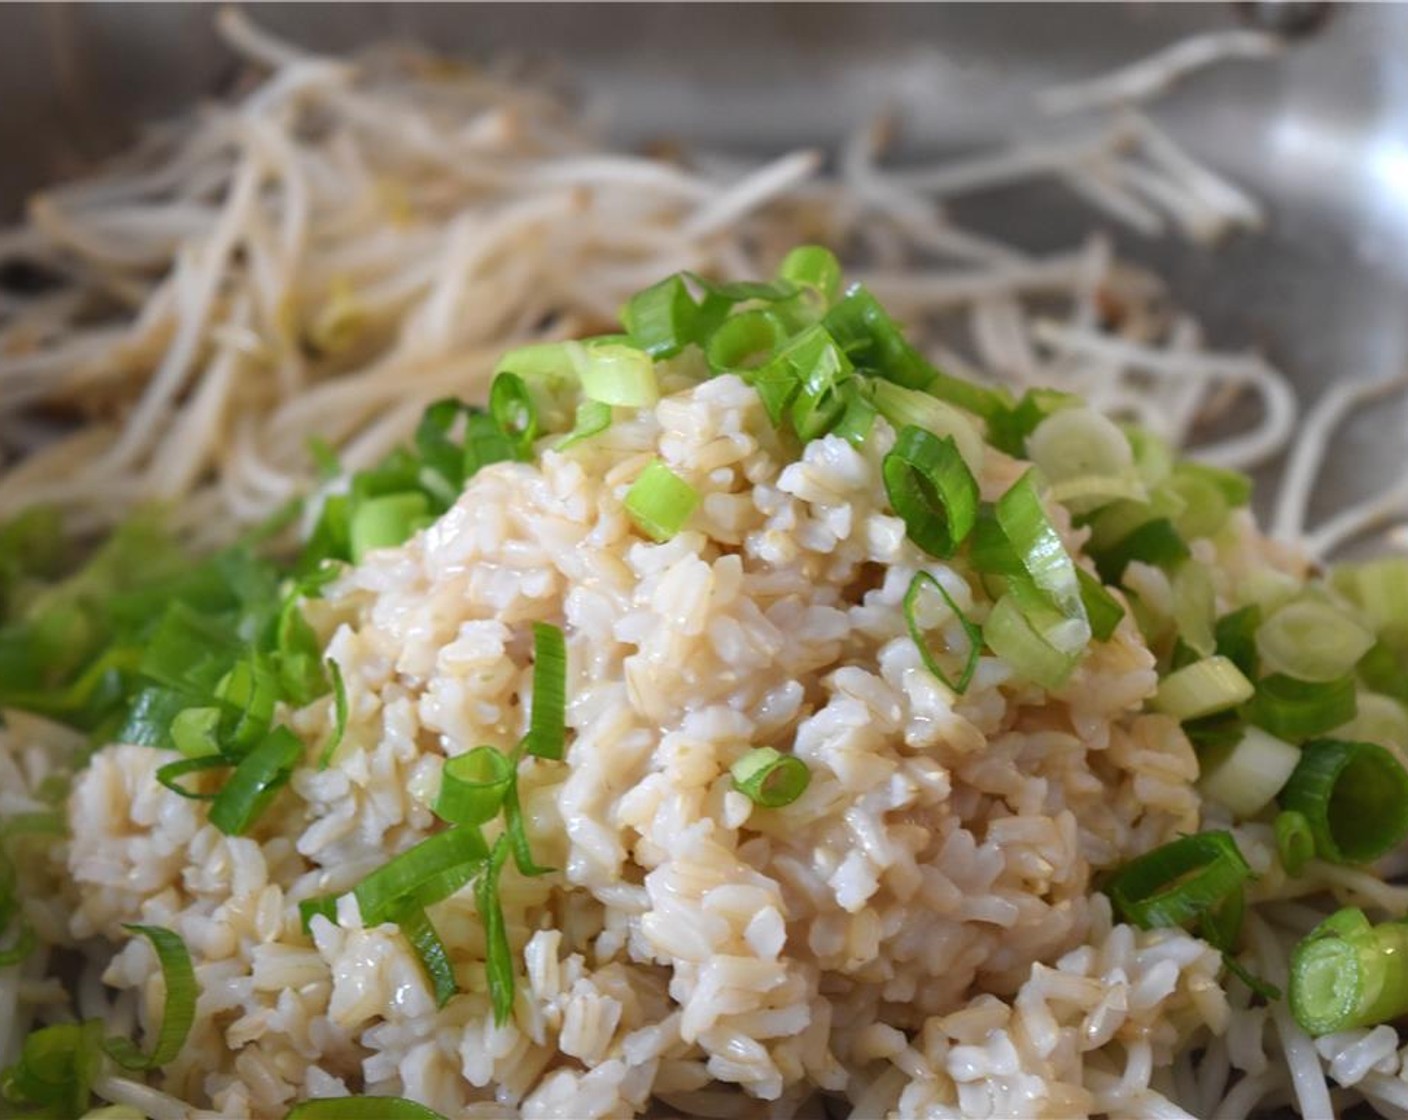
(918,932)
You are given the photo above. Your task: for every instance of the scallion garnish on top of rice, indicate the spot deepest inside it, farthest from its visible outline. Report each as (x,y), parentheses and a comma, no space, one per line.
(714,438)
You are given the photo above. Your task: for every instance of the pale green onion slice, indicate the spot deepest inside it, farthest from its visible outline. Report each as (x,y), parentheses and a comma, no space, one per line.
(593,418)
(1248,775)
(769,778)
(1045,562)
(973,635)
(905,408)
(814,267)
(660,502)
(1017,642)
(1081,444)
(1195,607)
(547,726)
(1295,842)
(387,521)
(617,374)
(745,341)
(1312,641)
(1380,587)
(1203,688)
(1349,974)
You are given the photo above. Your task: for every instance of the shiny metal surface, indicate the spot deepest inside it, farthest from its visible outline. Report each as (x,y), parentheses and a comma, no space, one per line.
(1321,134)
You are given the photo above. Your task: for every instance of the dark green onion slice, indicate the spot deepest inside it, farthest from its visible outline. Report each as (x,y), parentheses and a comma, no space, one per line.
(326,905)
(1293,710)
(512,407)
(660,502)
(1102,608)
(361,1108)
(1349,974)
(593,418)
(745,341)
(932,490)
(430,951)
(868,336)
(517,833)
(473,786)
(662,319)
(1295,841)
(1010,425)
(178,1008)
(1235,638)
(421,876)
(972,632)
(1354,796)
(547,725)
(823,380)
(255,782)
(170,773)
(56,1069)
(769,778)
(1234,486)
(339,715)
(498,956)
(1155,542)
(1180,882)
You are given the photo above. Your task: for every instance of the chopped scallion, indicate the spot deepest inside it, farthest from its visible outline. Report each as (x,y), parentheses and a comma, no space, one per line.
(1203,688)
(1295,842)
(617,375)
(1181,883)
(547,728)
(932,490)
(769,778)
(966,657)
(511,405)
(1312,641)
(1355,797)
(660,502)
(1349,974)
(473,786)
(1294,710)
(361,1108)
(255,782)
(1247,775)
(178,1007)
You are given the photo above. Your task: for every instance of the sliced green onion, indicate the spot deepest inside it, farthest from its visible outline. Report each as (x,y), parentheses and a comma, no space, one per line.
(1194,608)
(1045,562)
(1349,974)
(660,502)
(1102,608)
(114,1112)
(195,732)
(1234,637)
(170,773)
(617,375)
(1234,486)
(386,522)
(1155,542)
(361,1108)
(1180,882)
(421,876)
(550,363)
(1385,668)
(593,418)
(56,1069)
(1355,796)
(178,1007)
(1205,509)
(1312,641)
(745,341)
(1293,709)
(430,951)
(1295,841)
(255,782)
(1010,425)
(249,691)
(1211,685)
(339,715)
(932,490)
(511,405)
(1380,588)
(905,408)
(517,833)
(547,728)
(1248,775)
(769,778)
(1110,525)
(1080,445)
(822,374)
(811,266)
(870,338)
(473,786)
(1016,641)
(973,634)
(857,417)
(662,319)
(498,955)
(309,908)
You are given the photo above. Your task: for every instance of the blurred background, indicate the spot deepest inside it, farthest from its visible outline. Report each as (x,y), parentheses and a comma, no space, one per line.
(1320,134)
